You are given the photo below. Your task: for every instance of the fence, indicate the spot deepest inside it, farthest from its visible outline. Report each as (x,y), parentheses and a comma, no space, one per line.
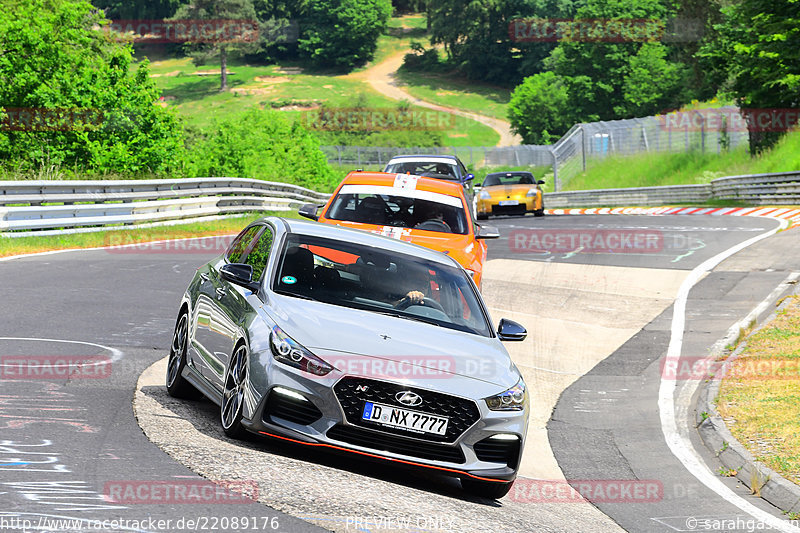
(706,131)
(44,205)
(756,189)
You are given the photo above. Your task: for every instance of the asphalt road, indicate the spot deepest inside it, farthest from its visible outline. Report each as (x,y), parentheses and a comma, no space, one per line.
(67,444)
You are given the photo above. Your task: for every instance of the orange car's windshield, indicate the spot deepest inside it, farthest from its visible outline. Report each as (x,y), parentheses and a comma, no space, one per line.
(435,212)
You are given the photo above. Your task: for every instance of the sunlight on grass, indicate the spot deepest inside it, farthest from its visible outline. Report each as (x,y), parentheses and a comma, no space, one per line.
(663,168)
(760,401)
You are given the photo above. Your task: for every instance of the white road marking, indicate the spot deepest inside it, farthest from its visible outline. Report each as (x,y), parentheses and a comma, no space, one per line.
(676,436)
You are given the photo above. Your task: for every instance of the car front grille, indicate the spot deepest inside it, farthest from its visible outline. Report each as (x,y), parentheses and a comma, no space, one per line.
(498,451)
(291,409)
(352,392)
(400,445)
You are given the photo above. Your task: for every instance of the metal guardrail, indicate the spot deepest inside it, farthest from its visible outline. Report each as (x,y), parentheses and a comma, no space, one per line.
(63,206)
(757,189)
(42,205)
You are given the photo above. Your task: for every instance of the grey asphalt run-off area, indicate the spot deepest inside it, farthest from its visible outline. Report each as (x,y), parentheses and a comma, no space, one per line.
(64,442)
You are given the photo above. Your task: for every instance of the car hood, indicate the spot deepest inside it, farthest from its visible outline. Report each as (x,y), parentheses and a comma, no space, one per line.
(369,344)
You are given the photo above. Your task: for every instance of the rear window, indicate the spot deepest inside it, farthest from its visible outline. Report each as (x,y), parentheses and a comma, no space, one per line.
(446,171)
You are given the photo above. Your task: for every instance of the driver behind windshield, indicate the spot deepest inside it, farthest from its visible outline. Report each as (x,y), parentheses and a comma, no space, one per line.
(430,216)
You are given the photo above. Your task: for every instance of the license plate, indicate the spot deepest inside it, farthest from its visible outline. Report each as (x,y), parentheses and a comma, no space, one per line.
(509,202)
(404,418)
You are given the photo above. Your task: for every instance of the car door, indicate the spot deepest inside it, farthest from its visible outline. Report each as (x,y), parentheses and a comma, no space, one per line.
(215,321)
(235,304)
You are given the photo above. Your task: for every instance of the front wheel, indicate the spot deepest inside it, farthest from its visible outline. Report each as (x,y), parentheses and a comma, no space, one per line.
(538,212)
(493,490)
(233,393)
(482,216)
(177,386)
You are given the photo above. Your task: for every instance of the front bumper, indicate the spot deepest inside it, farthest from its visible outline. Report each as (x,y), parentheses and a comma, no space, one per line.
(493,206)
(320,420)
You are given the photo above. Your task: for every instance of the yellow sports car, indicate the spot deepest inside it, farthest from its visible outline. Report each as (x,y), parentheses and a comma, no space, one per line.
(505,193)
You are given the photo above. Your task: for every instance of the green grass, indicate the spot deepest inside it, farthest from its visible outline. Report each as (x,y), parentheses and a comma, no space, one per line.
(454,91)
(759,396)
(198,100)
(26,245)
(661,168)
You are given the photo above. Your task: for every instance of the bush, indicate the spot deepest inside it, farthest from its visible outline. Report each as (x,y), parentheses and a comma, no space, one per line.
(259,144)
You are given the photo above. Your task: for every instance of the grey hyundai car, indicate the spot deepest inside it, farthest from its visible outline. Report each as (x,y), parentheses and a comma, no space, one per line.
(340,338)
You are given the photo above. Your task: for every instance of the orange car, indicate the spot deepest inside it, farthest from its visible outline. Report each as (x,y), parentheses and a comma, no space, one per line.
(426,211)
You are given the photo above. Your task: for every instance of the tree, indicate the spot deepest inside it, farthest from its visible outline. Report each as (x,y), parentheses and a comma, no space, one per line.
(69,98)
(758,43)
(342,33)
(540,110)
(619,71)
(223,41)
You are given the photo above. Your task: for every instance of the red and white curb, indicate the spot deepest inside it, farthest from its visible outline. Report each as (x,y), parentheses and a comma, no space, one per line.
(785,213)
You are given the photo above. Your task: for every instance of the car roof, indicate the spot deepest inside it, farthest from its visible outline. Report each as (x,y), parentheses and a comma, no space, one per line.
(387,179)
(511,173)
(423,158)
(357,236)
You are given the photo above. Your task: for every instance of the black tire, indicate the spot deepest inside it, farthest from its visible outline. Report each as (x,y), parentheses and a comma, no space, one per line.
(538,212)
(177,386)
(486,489)
(483,217)
(230,411)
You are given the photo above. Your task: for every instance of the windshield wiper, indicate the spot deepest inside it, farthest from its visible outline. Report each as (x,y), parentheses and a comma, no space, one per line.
(297,295)
(416,318)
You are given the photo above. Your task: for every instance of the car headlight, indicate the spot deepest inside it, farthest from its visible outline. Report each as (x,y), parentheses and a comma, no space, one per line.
(485,195)
(289,352)
(514,399)
(532,192)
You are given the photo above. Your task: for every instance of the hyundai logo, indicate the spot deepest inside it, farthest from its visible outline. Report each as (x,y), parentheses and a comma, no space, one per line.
(408,398)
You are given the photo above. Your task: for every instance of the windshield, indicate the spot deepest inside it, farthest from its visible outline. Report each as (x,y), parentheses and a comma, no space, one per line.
(402,208)
(441,170)
(362,277)
(508,179)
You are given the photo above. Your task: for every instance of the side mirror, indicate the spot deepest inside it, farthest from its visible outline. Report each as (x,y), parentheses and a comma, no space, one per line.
(487,232)
(469,177)
(240,274)
(508,330)
(309,211)
(540,182)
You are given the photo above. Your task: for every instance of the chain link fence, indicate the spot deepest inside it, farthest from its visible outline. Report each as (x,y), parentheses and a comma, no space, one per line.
(709,130)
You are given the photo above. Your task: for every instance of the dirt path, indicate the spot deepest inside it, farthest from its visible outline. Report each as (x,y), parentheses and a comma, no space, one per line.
(382,77)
